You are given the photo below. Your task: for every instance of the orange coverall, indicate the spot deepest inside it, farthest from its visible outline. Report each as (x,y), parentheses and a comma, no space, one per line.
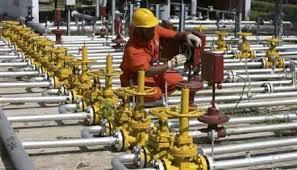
(140,55)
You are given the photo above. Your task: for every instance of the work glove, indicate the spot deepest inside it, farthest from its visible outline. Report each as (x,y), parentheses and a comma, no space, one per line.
(191,38)
(177,60)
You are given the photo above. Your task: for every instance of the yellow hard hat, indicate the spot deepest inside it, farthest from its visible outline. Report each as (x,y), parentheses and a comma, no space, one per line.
(144,18)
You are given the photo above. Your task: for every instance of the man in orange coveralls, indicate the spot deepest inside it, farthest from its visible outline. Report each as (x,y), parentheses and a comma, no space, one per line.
(142,53)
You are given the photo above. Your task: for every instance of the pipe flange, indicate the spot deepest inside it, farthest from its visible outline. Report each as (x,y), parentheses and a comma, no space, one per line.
(268,87)
(138,161)
(52,81)
(263,61)
(91,114)
(158,164)
(231,76)
(119,144)
(63,91)
(81,104)
(211,162)
(70,96)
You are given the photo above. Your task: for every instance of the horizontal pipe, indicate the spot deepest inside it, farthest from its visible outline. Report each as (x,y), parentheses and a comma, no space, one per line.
(256,104)
(106,141)
(86,132)
(198,99)
(238,120)
(253,161)
(42,99)
(9,57)
(13,64)
(263,128)
(52,117)
(65,108)
(18,74)
(24,84)
(118,162)
(243,147)
(50,92)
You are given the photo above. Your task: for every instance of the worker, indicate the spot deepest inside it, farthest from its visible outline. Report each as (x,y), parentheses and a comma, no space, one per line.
(142,53)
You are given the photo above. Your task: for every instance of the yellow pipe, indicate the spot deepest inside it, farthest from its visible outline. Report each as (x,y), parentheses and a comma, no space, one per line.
(140,99)
(108,78)
(84,58)
(184,122)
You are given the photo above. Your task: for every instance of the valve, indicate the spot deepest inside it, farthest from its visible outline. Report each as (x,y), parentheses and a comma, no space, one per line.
(213,72)
(245,50)
(221,43)
(273,59)
(182,153)
(139,124)
(105,102)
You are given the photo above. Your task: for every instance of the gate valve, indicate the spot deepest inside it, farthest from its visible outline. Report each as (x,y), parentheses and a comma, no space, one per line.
(245,50)
(183,152)
(273,58)
(107,95)
(194,82)
(140,122)
(221,43)
(213,72)
(159,142)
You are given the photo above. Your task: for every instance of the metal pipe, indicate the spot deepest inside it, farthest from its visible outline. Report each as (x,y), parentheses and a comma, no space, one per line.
(42,99)
(113,11)
(258,160)
(256,104)
(24,84)
(13,145)
(18,74)
(207,99)
(238,120)
(13,64)
(263,128)
(106,141)
(52,117)
(9,57)
(243,147)
(86,132)
(67,108)
(118,161)
(51,92)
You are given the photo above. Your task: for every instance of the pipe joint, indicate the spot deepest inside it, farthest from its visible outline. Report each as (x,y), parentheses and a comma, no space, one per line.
(269,88)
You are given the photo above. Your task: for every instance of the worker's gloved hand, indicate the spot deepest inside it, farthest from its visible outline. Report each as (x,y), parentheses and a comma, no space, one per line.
(191,38)
(177,60)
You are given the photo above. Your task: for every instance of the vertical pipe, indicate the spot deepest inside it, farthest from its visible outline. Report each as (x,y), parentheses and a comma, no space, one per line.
(182,17)
(131,11)
(113,6)
(108,78)
(97,8)
(184,121)
(193,8)
(140,102)
(13,145)
(157,11)
(68,20)
(84,57)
